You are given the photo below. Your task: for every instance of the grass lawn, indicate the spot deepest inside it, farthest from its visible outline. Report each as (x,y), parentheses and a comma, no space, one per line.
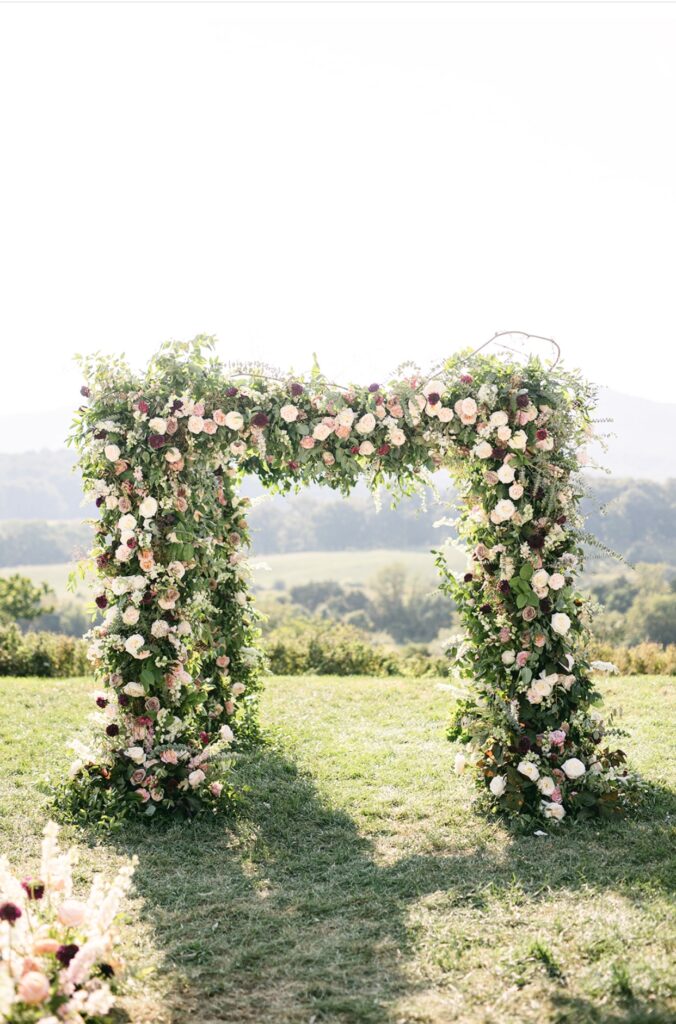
(358,885)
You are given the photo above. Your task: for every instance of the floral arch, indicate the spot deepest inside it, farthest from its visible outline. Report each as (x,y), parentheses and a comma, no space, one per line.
(178,655)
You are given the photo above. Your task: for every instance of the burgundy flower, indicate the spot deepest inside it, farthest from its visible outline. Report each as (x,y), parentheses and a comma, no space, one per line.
(122,700)
(373,388)
(34,888)
(522,401)
(84,391)
(434,398)
(65,954)
(536,541)
(503,586)
(499,453)
(178,404)
(545,605)
(541,434)
(260,420)
(101,702)
(102,601)
(354,450)
(524,745)
(297,389)
(468,577)
(486,609)
(204,738)
(147,599)
(112,729)
(100,435)
(383,450)
(561,520)
(99,502)
(143,406)
(102,560)
(131,543)
(9,912)
(294,465)
(466,378)
(156,440)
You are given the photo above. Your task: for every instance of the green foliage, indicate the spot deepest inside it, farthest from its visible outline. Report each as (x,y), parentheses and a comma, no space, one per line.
(40,654)
(20,599)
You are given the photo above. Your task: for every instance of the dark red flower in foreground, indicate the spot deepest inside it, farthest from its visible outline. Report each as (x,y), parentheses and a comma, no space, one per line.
(131,543)
(84,391)
(65,954)
(503,586)
(466,378)
(354,450)
(156,440)
(294,465)
(434,398)
(178,404)
(99,502)
(468,577)
(102,560)
(536,541)
(102,601)
(101,702)
(34,888)
(541,434)
(122,700)
(204,738)
(524,745)
(112,729)
(486,609)
(260,420)
(9,912)
(373,388)
(383,450)
(522,401)
(499,453)
(561,520)
(297,389)
(143,406)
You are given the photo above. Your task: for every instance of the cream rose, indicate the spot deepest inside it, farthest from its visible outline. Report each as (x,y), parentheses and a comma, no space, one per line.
(556,811)
(158,425)
(528,769)
(560,623)
(234,420)
(573,768)
(148,507)
(195,424)
(498,785)
(483,450)
(366,424)
(506,473)
(136,754)
(539,579)
(112,452)
(196,778)
(289,413)
(546,785)
(557,581)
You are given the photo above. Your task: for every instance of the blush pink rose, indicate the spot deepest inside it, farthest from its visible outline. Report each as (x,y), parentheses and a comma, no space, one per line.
(169,757)
(522,658)
(557,737)
(33,988)
(307,442)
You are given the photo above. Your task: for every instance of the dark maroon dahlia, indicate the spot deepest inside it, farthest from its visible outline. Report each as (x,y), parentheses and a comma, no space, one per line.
(102,601)
(384,449)
(522,401)
(9,912)
(468,577)
(434,398)
(65,954)
(499,453)
(112,729)
(34,888)
(156,440)
(84,391)
(296,389)
(260,420)
(503,586)
(373,388)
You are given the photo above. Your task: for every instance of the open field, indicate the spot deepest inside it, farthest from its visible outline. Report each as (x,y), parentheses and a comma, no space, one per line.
(358,886)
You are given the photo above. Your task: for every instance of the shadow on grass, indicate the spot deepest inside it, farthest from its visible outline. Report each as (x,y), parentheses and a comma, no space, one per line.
(284,915)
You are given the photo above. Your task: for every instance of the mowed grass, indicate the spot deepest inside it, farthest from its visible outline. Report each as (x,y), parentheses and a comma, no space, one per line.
(357,884)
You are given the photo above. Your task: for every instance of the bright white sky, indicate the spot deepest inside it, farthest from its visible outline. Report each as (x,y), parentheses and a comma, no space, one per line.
(370,182)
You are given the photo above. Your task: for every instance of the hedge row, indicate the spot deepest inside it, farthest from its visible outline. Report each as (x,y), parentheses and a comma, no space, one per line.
(41,654)
(645,659)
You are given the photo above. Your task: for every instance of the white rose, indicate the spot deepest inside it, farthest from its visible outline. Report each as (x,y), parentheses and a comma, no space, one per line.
(173,455)
(112,452)
(397,437)
(136,754)
(516,491)
(123,553)
(120,585)
(196,778)
(227,735)
(573,768)
(148,507)
(483,450)
(366,448)
(134,643)
(134,690)
(504,433)
(518,440)
(130,615)
(556,811)
(508,657)
(503,511)
(539,579)
(498,419)
(366,424)
(289,414)
(445,414)
(111,502)
(234,420)
(345,417)
(160,628)
(528,769)
(460,763)
(498,785)
(158,425)
(506,473)
(557,581)
(127,522)
(195,424)
(546,785)
(560,623)
(321,432)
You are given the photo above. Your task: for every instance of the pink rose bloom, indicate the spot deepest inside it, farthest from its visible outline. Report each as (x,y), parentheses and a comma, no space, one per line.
(172,425)
(216,788)
(522,658)
(540,640)
(555,796)
(210,427)
(169,757)
(138,777)
(307,442)
(343,432)
(72,913)
(328,458)
(229,707)
(33,988)
(504,635)
(557,738)
(144,795)
(198,408)
(218,417)
(528,613)
(222,661)
(491,478)
(124,505)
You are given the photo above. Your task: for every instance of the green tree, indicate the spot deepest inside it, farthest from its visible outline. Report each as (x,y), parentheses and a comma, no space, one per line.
(653,617)
(21,600)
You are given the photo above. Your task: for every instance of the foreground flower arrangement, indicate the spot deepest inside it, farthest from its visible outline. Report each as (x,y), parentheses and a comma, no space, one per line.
(57,956)
(178,655)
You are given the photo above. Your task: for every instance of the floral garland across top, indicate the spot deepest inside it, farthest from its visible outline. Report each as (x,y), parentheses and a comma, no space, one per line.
(178,655)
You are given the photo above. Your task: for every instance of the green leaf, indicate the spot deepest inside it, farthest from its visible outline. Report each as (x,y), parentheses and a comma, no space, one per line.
(526,571)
